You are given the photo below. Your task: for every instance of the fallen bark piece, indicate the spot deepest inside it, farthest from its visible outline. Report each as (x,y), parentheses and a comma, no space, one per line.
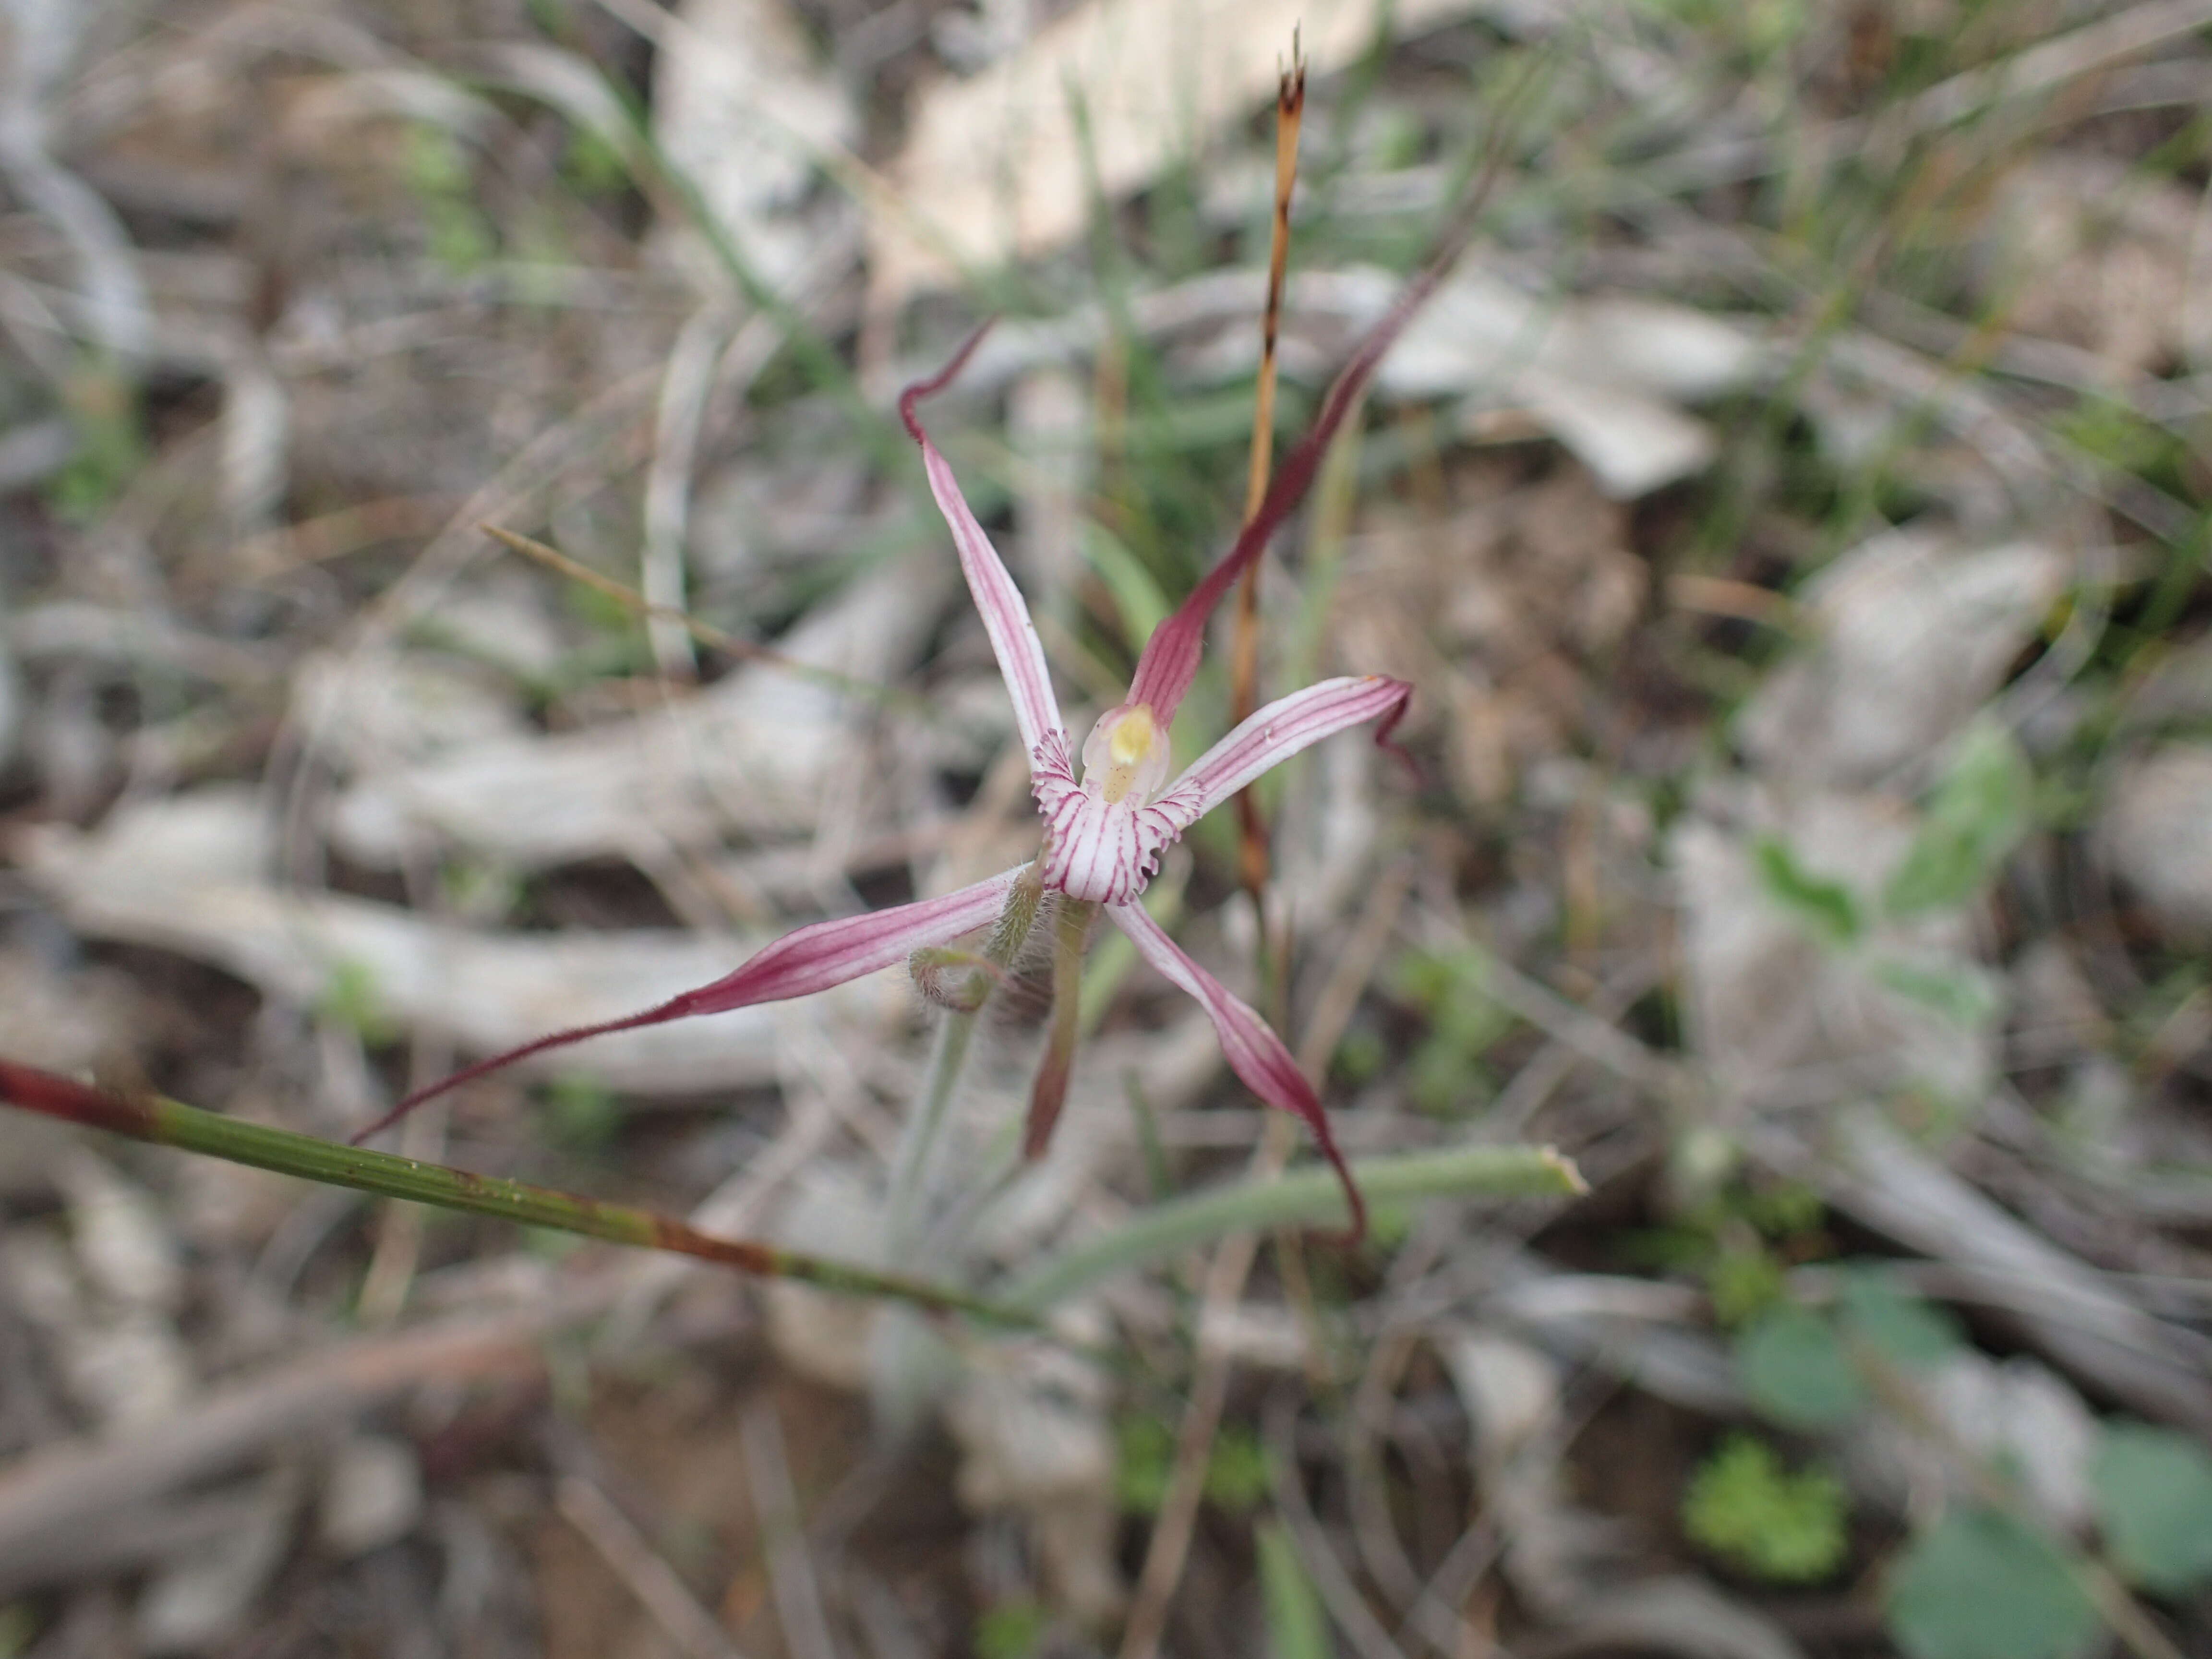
(82,1483)
(1914,633)
(1006,164)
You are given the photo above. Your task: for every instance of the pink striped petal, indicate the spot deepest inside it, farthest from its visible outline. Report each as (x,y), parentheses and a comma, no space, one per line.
(1255,1052)
(1274,733)
(1170,661)
(812,958)
(1006,615)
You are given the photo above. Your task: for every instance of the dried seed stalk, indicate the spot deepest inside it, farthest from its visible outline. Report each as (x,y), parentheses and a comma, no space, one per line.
(1245,648)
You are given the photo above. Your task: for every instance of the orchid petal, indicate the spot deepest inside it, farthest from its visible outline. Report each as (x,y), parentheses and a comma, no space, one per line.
(1255,1052)
(812,958)
(1169,659)
(1005,615)
(1273,734)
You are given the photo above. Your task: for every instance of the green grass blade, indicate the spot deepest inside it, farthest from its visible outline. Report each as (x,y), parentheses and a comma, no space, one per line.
(1309,1197)
(167,1123)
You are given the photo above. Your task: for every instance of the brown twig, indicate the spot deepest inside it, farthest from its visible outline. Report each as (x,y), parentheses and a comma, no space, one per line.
(1225,1285)
(1245,648)
(643,1570)
(83,1483)
(1232,1262)
(1333,1584)
(1171,1530)
(797,1589)
(336,534)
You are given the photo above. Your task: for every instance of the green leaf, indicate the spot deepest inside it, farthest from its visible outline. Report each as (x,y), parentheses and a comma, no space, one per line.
(2118,437)
(1826,909)
(581,1113)
(592,166)
(2154,1503)
(1298,1624)
(352,999)
(1753,1513)
(1796,1369)
(1980,1585)
(1783,1209)
(1743,1284)
(443,176)
(1235,1471)
(1137,596)
(1905,1329)
(1145,1455)
(1961,992)
(1237,1474)
(105,415)
(1012,1629)
(1980,812)
(1464,1022)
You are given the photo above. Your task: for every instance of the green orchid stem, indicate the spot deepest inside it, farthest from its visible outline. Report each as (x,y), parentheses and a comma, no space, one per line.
(1309,1197)
(912,1164)
(948,1057)
(167,1123)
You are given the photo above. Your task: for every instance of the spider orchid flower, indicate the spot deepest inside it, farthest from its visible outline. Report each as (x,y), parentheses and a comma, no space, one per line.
(1104,827)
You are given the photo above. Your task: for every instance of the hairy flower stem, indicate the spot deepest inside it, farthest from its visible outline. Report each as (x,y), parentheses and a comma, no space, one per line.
(913,1167)
(1071,934)
(168,1123)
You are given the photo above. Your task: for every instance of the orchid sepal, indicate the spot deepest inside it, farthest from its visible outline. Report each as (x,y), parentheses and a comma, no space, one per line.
(1005,614)
(1255,1052)
(1169,661)
(815,957)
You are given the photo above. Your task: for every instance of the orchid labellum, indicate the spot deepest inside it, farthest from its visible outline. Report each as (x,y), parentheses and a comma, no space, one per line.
(1105,825)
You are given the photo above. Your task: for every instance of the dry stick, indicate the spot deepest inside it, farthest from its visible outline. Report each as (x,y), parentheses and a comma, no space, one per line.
(1244,649)
(643,1570)
(1232,1262)
(2114,1602)
(798,1590)
(83,1483)
(1252,858)
(1338,1593)
(333,535)
(1171,1532)
(131,1540)
(391,1274)
(679,419)
(2049,65)
(1225,1285)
